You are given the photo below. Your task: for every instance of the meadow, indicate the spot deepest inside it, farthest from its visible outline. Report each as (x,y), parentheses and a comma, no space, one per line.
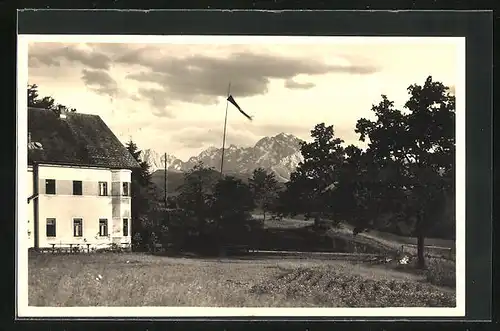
(252,280)
(134,279)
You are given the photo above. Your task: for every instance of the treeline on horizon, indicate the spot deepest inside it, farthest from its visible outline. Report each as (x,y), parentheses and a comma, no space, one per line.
(403,182)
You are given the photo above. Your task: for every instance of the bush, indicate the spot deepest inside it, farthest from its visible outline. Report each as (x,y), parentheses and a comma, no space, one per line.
(137,241)
(441,272)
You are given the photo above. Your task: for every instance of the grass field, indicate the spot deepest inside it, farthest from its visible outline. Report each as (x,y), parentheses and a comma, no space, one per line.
(130,279)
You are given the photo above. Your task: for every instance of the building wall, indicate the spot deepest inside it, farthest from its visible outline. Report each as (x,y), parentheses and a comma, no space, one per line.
(30,213)
(90,207)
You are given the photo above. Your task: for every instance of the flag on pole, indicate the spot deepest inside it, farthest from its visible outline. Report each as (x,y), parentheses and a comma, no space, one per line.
(231,99)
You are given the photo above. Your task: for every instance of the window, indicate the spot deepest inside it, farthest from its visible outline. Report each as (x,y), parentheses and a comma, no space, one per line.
(50,186)
(103,188)
(126,189)
(77,187)
(77,227)
(125,227)
(103,227)
(51,227)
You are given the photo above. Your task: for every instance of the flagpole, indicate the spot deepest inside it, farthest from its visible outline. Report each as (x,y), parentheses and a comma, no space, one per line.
(225,123)
(167,214)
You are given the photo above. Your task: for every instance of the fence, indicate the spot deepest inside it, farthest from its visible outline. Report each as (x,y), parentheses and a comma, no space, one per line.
(84,248)
(430,251)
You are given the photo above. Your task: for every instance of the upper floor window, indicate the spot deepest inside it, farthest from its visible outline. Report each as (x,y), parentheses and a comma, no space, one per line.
(77,187)
(50,186)
(126,189)
(103,188)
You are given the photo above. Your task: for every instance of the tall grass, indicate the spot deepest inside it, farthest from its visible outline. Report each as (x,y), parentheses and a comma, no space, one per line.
(129,279)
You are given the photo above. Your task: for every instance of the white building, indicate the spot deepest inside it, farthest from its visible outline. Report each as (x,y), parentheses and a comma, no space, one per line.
(79,182)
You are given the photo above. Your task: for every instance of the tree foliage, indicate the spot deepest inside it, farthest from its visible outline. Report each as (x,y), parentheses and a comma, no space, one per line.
(231,205)
(307,191)
(414,150)
(196,191)
(264,187)
(144,198)
(34,100)
(405,178)
(213,211)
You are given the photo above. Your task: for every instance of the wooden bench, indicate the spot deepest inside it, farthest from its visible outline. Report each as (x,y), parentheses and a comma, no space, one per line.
(67,246)
(64,246)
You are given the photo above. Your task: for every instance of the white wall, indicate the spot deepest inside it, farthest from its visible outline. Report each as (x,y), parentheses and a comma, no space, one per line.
(64,206)
(30,213)
(74,173)
(122,175)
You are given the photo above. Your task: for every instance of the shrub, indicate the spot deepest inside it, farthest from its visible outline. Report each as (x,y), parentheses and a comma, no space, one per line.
(441,272)
(137,241)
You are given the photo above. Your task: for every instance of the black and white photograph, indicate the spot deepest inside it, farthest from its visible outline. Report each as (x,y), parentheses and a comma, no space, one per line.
(241,175)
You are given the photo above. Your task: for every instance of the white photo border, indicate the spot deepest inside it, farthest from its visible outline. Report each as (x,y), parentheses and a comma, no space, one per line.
(26,311)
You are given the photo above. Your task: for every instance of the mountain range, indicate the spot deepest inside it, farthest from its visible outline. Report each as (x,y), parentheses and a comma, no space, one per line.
(279,154)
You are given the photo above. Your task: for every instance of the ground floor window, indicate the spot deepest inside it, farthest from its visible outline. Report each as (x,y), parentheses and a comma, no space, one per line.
(103,227)
(51,227)
(77,227)
(125,227)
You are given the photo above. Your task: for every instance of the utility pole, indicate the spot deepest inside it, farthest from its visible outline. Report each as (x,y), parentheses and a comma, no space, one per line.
(166,180)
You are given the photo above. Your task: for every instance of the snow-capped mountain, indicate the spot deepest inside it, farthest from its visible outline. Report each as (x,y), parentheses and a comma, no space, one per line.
(280,154)
(156,161)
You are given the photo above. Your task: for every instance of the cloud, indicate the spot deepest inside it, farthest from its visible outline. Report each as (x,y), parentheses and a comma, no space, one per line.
(100,81)
(195,137)
(156,97)
(181,73)
(53,54)
(204,79)
(291,84)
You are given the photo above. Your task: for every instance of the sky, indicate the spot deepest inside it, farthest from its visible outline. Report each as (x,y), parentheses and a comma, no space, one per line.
(171,97)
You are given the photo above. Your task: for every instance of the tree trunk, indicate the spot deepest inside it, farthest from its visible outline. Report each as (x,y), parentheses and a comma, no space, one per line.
(420,243)
(420,251)
(264,215)
(317,221)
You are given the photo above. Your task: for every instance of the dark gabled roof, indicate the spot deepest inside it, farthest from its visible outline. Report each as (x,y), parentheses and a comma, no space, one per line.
(78,139)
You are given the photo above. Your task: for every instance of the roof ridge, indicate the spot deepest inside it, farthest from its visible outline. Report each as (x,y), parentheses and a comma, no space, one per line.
(69,113)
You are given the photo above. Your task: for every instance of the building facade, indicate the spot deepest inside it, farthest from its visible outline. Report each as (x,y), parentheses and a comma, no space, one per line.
(79,182)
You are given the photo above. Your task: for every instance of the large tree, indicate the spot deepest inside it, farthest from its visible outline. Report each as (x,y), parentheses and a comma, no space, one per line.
(414,149)
(144,198)
(308,192)
(361,194)
(264,188)
(232,202)
(195,196)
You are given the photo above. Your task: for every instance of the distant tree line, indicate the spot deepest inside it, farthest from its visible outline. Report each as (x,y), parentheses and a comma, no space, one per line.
(209,213)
